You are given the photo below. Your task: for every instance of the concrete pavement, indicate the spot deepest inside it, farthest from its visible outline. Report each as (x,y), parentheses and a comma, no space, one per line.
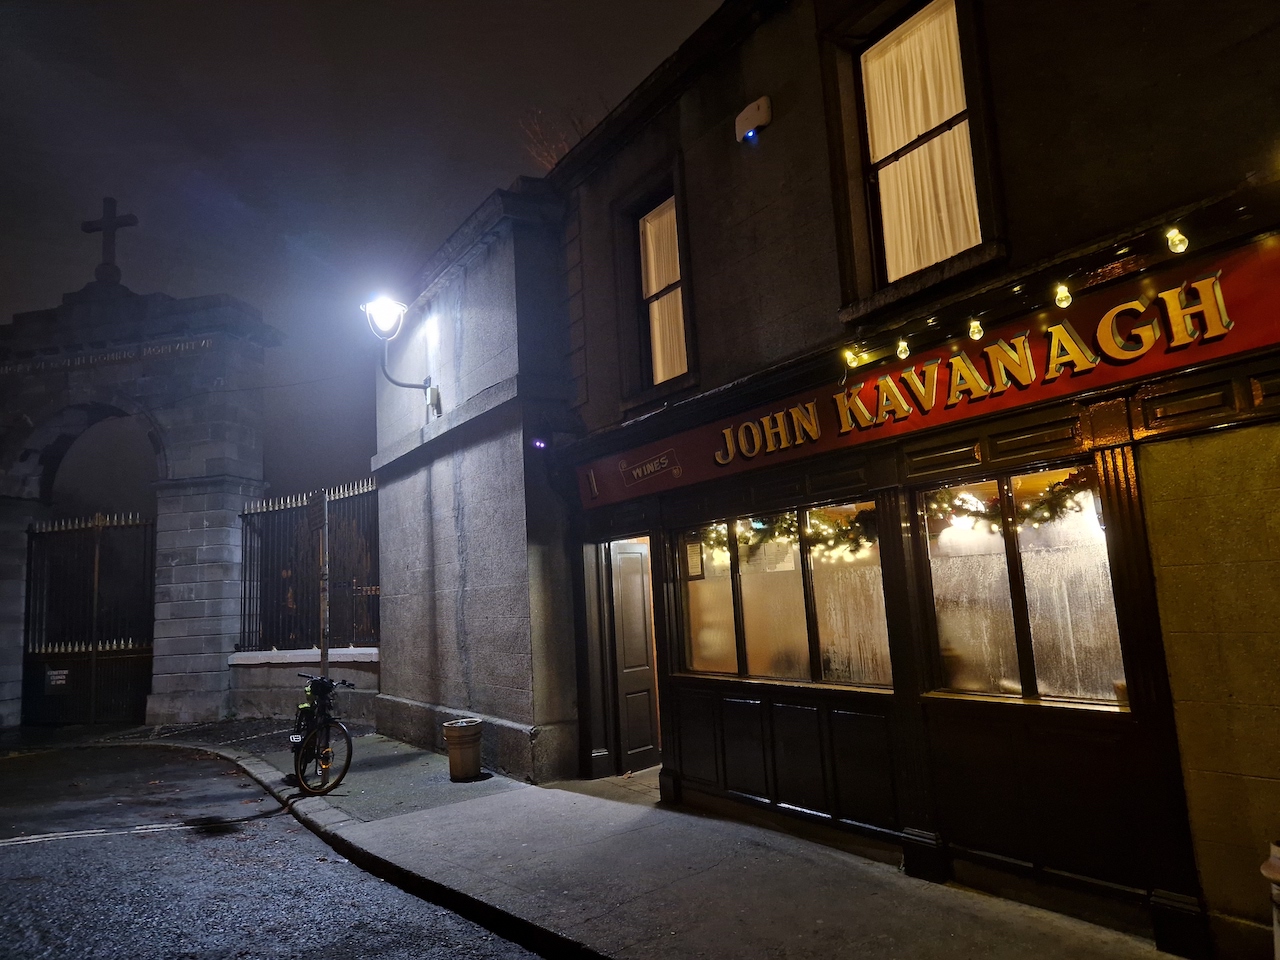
(602,868)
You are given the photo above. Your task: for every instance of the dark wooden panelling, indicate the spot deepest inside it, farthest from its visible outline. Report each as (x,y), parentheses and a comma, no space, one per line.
(779,491)
(1055,438)
(697,719)
(1264,389)
(744,741)
(1055,787)
(864,768)
(925,461)
(851,480)
(637,711)
(1160,408)
(1087,807)
(797,758)
(983,800)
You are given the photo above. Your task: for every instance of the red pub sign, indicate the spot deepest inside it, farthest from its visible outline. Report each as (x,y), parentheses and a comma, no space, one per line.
(1193,313)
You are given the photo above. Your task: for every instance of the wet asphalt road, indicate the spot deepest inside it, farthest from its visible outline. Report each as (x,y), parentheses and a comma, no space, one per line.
(145,852)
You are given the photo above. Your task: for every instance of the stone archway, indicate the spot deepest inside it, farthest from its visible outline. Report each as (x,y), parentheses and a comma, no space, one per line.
(190,371)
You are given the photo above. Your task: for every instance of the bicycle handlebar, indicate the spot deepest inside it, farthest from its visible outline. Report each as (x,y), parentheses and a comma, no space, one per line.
(335,682)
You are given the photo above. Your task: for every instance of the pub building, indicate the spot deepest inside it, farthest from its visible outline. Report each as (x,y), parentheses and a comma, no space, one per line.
(873,422)
(927,437)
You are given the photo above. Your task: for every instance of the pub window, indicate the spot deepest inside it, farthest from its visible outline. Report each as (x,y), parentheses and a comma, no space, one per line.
(1022,587)
(809,601)
(918,144)
(661,292)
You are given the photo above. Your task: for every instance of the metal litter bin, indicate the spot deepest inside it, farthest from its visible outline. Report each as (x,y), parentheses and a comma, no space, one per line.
(462,737)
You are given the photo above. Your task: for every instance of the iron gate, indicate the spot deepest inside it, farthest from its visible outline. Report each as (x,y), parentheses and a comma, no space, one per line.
(281,571)
(89,617)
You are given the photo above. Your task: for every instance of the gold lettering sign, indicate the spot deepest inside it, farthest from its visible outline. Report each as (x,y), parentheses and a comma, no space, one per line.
(1190,313)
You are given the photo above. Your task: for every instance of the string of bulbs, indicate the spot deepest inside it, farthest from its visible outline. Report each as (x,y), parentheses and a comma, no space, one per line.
(1175,238)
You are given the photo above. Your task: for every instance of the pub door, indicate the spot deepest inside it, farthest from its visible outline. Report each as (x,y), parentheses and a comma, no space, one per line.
(633,651)
(90,614)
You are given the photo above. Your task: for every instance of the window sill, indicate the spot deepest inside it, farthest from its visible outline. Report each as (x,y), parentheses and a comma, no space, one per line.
(1095,706)
(653,396)
(915,284)
(779,682)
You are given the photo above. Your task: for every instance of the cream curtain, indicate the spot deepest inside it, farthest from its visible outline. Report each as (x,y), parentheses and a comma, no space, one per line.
(660,268)
(928,205)
(913,82)
(666,335)
(912,79)
(659,248)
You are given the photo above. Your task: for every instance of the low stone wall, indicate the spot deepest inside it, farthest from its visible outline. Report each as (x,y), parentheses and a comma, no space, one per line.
(267,684)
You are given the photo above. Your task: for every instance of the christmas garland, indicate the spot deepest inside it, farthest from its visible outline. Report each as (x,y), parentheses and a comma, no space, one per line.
(824,530)
(1056,502)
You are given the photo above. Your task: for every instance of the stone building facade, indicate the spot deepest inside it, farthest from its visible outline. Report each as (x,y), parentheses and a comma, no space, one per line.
(762,351)
(476,605)
(189,370)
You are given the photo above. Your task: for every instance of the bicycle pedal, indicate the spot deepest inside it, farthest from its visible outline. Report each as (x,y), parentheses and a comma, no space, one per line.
(295,738)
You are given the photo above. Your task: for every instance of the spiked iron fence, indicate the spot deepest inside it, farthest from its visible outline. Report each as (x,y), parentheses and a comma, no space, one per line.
(90,612)
(281,609)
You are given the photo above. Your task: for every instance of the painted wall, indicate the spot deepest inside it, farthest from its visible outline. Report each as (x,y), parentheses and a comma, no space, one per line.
(476,611)
(1215,543)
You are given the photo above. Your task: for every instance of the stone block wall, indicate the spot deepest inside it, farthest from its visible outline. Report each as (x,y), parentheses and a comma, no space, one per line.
(1210,506)
(198,557)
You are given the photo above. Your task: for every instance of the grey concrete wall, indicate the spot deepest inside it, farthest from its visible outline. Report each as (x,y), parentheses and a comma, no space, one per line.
(476,601)
(1215,546)
(198,593)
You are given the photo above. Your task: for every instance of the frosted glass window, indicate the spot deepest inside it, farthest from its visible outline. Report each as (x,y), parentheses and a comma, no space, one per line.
(1070,603)
(773,617)
(971,595)
(848,594)
(918,141)
(710,638)
(660,287)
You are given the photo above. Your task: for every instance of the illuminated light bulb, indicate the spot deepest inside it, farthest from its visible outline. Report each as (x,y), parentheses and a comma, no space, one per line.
(1062,296)
(851,359)
(1017,288)
(903,351)
(385,316)
(1176,239)
(975,329)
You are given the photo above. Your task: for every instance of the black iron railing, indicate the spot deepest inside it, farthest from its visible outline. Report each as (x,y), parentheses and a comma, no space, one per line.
(281,572)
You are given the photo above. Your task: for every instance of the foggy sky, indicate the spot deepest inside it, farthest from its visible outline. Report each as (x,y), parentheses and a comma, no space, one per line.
(300,156)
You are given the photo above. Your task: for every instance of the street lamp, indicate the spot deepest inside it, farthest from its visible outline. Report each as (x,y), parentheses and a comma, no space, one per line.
(386,317)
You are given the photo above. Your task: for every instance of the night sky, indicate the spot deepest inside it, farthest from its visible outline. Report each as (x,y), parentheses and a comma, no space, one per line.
(300,156)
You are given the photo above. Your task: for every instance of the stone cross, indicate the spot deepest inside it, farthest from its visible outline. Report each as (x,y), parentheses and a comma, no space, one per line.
(107,271)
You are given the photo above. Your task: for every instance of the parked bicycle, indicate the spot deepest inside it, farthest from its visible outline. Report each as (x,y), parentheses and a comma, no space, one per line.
(321,742)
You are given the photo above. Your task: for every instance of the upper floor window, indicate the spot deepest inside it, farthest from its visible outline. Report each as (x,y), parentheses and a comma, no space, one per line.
(660,289)
(918,142)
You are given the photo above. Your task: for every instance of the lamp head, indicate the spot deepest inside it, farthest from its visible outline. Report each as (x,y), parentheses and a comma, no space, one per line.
(385,316)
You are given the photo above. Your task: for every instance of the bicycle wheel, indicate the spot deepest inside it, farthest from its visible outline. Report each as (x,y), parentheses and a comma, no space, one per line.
(323,758)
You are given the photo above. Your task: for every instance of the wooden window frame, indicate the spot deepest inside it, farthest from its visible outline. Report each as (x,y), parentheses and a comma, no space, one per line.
(815,678)
(635,350)
(864,284)
(1027,675)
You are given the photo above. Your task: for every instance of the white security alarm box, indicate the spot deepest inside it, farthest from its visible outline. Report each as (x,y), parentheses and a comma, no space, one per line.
(750,120)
